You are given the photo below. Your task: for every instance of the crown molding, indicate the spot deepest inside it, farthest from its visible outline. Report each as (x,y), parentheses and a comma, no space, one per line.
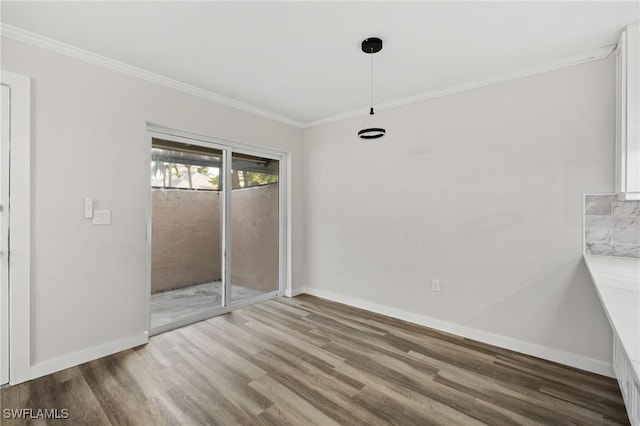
(568,61)
(95,59)
(86,56)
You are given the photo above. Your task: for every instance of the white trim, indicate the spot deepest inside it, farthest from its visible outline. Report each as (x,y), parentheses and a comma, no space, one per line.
(593,55)
(283,220)
(294,292)
(555,355)
(20,219)
(632,124)
(228,147)
(92,58)
(627,164)
(583,219)
(288,228)
(5,129)
(148,240)
(85,355)
(629,196)
(220,143)
(211,313)
(226,228)
(621,115)
(102,61)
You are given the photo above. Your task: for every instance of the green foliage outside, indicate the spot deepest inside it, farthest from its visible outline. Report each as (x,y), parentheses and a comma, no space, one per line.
(175,175)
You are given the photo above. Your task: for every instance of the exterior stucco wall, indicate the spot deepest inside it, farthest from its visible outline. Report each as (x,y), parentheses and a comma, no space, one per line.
(254,237)
(185,240)
(186,243)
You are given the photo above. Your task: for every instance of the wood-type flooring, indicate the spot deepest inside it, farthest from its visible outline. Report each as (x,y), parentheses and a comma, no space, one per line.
(309,361)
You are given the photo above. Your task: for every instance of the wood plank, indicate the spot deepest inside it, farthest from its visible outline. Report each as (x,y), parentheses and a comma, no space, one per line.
(291,402)
(310,361)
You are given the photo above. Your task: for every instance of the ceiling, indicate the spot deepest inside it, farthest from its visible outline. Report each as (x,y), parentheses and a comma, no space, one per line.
(302,60)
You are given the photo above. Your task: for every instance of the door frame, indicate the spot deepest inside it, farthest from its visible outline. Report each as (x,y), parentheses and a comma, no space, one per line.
(228,146)
(19,260)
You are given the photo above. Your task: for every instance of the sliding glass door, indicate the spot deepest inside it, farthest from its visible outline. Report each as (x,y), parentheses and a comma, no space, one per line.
(187,204)
(215,218)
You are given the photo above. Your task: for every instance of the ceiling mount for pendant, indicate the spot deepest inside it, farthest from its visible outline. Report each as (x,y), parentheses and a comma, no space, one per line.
(370,46)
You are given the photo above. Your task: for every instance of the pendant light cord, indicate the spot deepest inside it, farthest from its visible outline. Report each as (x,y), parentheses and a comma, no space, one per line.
(372,82)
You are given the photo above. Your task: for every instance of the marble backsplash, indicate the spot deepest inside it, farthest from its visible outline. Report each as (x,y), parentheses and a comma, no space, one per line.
(611,226)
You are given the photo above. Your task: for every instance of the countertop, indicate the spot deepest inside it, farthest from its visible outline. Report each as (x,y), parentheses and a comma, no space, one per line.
(617,281)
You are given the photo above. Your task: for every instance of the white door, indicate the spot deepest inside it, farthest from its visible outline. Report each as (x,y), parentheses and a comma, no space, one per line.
(4,234)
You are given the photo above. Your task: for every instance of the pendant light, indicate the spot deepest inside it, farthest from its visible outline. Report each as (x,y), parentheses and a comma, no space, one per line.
(373,129)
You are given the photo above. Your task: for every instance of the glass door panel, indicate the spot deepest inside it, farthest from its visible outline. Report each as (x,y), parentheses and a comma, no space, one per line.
(254,222)
(187,205)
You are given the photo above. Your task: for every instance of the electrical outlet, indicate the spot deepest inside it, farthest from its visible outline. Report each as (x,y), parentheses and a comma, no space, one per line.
(102,217)
(88,208)
(435,285)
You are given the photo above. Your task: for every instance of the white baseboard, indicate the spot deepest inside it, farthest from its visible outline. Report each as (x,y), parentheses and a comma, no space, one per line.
(550,354)
(293,293)
(80,357)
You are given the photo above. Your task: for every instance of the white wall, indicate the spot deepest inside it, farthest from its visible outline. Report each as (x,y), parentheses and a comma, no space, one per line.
(482,190)
(89,140)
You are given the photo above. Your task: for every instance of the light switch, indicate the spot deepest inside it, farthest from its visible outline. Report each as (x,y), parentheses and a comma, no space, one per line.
(88,208)
(102,217)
